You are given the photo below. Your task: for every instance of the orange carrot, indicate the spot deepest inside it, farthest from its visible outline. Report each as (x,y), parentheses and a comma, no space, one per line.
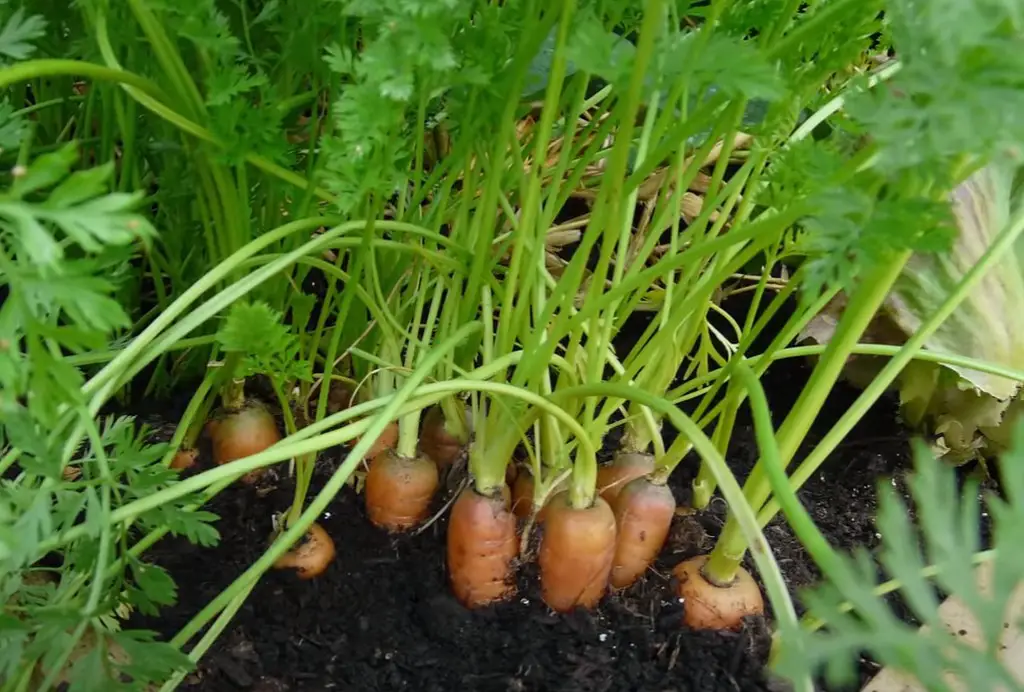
(643,516)
(339,398)
(311,556)
(482,548)
(243,433)
(184,459)
(385,442)
(623,468)
(435,440)
(523,489)
(576,553)
(399,490)
(707,606)
(522,495)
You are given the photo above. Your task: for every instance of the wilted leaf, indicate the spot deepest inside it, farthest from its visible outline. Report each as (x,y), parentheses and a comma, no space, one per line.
(989,324)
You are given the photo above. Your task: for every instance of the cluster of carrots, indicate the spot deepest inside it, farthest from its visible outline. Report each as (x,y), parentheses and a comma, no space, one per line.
(615,542)
(583,553)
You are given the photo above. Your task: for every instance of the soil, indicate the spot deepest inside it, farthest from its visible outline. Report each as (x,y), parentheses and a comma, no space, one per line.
(381,617)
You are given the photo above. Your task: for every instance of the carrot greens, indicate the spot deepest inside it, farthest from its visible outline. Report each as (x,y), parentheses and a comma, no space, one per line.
(446,255)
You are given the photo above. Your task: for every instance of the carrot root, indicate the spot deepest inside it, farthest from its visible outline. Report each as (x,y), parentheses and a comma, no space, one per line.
(243,433)
(184,459)
(626,466)
(399,490)
(523,491)
(482,548)
(311,557)
(707,606)
(522,495)
(435,440)
(339,397)
(576,553)
(643,517)
(385,442)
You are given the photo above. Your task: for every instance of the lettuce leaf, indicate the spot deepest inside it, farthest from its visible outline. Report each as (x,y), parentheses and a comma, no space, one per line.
(965,410)
(989,324)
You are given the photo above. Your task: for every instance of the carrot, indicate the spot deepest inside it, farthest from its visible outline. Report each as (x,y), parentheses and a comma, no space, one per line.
(399,490)
(624,467)
(482,548)
(248,431)
(339,398)
(643,516)
(511,474)
(386,442)
(708,606)
(522,495)
(435,440)
(184,459)
(576,553)
(311,556)
(523,489)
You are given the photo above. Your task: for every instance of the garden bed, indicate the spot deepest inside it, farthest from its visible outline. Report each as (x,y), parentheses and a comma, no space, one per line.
(382,617)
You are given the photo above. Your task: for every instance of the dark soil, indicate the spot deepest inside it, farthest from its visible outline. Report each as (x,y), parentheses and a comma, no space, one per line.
(381,618)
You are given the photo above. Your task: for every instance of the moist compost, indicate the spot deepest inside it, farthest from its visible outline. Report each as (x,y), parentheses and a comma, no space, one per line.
(382,618)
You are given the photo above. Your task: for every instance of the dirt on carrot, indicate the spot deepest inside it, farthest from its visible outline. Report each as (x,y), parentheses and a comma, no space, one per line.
(311,556)
(707,606)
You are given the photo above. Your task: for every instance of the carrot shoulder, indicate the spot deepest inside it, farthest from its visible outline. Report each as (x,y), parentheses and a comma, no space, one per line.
(709,606)
(243,433)
(612,478)
(399,490)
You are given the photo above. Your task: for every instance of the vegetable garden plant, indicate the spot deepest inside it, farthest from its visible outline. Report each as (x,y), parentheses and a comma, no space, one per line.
(482,261)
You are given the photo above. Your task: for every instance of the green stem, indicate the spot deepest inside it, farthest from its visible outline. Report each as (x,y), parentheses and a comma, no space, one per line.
(192,421)
(703,485)
(298,529)
(861,309)
(34,69)
(303,463)
(799,519)
(1002,244)
(232,390)
(309,440)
